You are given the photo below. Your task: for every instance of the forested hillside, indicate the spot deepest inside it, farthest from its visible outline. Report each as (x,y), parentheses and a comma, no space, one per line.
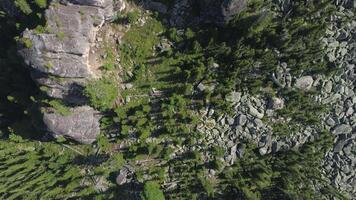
(190,99)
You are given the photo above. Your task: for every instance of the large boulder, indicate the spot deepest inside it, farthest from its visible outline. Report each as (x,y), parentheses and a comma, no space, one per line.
(304,83)
(62,49)
(58,57)
(82,124)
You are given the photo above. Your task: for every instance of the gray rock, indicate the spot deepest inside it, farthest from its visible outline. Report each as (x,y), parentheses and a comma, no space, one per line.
(128,86)
(230,120)
(304,83)
(330,121)
(121,178)
(60,64)
(240,150)
(234,97)
(276,103)
(275,147)
(254,112)
(328,87)
(263,151)
(258,123)
(81,125)
(201,87)
(342,129)
(338,146)
(241,120)
(348,148)
(63,49)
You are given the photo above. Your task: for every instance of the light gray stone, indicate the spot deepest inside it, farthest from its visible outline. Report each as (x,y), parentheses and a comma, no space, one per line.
(234,97)
(342,129)
(263,151)
(81,125)
(338,146)
(254,112)
(276,103)
(328,87)
(63,50)
(304,83)
(241,120)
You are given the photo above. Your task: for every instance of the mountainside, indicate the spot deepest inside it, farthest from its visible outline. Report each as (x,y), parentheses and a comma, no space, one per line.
(178,99)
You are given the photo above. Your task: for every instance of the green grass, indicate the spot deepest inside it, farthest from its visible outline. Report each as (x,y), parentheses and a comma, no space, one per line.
(61,35)
(138,43)
(59,107)
(101,93)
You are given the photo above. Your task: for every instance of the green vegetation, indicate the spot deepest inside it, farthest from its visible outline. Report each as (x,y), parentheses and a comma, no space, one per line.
(302,111)
(133,16)
(41,3)
(280,176)
(151,191)
(109,62)
(59,107)
(102,93)
(154,128)
(23,6)
(130,17)
(138,43)
(32,170)
(61,35)
(26,42)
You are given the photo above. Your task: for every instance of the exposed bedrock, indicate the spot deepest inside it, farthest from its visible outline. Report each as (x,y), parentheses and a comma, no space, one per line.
(58,57)
(81,125)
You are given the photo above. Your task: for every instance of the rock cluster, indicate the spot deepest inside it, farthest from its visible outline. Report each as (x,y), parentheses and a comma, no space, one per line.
(59,59)
(247,125)
(338,91)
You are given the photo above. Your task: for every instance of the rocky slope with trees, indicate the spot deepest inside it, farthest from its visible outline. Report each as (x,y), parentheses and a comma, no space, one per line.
(180,99)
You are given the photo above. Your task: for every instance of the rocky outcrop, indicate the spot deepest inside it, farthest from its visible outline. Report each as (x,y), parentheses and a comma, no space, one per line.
(82,124)
(62,50)
(59,55)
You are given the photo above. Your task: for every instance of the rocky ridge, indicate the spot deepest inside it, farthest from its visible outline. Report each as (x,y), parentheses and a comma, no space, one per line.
(58,55)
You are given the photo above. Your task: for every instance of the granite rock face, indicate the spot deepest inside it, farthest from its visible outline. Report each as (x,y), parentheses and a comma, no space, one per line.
(58,57)
(63,49)
(81,125)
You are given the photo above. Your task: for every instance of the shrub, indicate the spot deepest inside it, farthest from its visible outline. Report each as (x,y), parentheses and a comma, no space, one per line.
(59,107)
(152,191)
(101,93)
(23,6)
(26,42)
(133,16)
(41,3)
